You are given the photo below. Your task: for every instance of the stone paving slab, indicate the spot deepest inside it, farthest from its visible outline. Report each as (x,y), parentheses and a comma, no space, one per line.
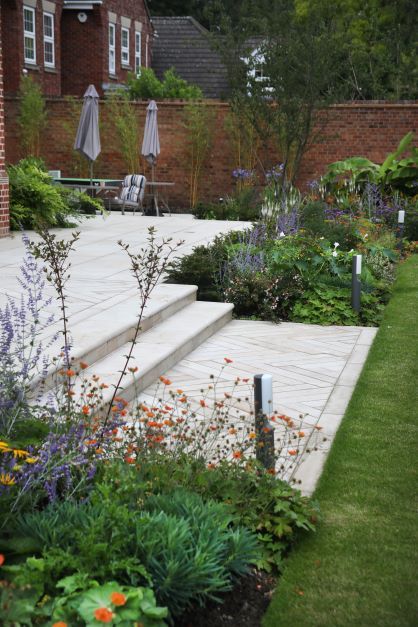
(100,268)
(314,370)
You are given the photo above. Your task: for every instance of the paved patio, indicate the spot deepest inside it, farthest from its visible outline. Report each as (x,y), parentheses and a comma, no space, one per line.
(314,368)
(100,268)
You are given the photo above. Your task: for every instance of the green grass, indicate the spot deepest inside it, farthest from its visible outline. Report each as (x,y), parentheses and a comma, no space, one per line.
(361,567)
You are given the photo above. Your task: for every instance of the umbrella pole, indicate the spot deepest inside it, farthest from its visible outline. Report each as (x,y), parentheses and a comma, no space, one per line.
(155,190)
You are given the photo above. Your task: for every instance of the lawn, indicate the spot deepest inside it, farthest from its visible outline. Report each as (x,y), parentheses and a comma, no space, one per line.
(360,568)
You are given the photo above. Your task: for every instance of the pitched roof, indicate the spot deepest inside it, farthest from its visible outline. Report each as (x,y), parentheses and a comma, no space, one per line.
(182,43)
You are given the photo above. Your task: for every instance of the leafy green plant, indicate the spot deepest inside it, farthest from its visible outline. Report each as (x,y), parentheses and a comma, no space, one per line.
(183,544)
(32,116)
(146,85)
(327,305)
(272,509)
(79,600)
(393,172)
(34,200)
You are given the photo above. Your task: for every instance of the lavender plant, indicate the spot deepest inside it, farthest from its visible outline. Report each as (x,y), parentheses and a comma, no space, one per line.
(22,352)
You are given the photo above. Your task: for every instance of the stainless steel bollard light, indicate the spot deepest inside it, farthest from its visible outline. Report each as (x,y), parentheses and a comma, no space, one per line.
(356,283)
(400,229)
(263,406)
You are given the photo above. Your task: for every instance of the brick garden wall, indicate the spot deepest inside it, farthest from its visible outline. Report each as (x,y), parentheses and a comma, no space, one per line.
(367,129)
(4,184)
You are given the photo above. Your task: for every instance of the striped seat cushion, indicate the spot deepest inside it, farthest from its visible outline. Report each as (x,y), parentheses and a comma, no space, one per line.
(133,188)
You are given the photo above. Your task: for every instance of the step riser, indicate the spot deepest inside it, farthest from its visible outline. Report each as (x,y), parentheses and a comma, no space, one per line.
(113,342)
(117,341)
(136,386)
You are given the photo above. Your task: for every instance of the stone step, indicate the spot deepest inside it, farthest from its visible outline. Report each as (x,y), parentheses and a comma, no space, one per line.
(110,328)
(160,348)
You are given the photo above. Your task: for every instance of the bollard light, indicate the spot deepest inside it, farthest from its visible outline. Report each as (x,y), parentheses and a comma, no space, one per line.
(263,407)
(356,283)
(400,229)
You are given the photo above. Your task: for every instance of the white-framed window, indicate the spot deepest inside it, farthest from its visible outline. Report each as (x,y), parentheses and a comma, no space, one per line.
(29,42)
(137,52)
(49,40)
(112,49)
(124,43)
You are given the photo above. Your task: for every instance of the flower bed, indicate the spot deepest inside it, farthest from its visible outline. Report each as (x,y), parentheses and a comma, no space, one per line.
(124,513)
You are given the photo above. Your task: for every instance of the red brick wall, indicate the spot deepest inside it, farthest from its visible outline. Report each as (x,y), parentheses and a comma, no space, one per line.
(4,185)
(85,47)
(366,129)
(14,63)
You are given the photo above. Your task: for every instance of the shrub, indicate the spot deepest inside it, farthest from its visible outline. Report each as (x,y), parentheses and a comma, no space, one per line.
(181,543)
(34,200)
(315,220)
(327,305)
(146,85)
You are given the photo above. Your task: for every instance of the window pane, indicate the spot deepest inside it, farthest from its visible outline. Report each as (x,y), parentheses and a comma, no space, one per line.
(28,21)
(124,38)
(48,52)
(29,49)
(111,35)
(48,30)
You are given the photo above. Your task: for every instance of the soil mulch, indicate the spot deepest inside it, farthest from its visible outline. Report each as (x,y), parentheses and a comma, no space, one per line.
(244,606)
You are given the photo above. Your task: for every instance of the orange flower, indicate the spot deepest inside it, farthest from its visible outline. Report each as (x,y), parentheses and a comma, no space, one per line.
(83,365)
(301,434)
(252,435)
(227,360)
(130,460)
(70,372)
(103,386)
(183,399)
(118,598)
(293,452)
(227,395)
(232,431)
(103,615)
(150,414)
(123,412)
(86,410)
(211,466)
(70,393)
(2,558)
(99,451)
(60,624)
(203,403)
(179,391)
(237,455)
(133,369)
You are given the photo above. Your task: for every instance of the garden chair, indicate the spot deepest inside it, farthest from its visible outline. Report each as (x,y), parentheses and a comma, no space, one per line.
(132,193)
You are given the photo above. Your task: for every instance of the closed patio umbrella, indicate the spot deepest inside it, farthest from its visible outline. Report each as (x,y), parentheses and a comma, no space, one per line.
(151,143)
(87,140)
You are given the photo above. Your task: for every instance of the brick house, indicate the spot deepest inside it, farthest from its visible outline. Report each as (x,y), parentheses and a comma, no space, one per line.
(67,44)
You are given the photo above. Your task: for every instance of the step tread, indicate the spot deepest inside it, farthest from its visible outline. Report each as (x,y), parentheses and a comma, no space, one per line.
(163,345)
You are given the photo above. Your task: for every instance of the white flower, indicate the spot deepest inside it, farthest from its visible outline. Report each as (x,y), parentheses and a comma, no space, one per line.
(321,238)
(281,234)
(336,244)
(334,253)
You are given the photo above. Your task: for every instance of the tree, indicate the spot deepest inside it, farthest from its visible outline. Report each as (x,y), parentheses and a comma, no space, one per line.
(32,116)
(302,59)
